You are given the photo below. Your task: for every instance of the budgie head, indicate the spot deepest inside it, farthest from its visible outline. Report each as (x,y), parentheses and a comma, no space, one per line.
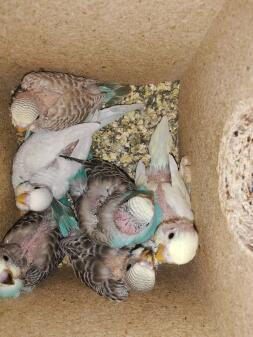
(11,262)
(34,198)
(177,241)
(24,112)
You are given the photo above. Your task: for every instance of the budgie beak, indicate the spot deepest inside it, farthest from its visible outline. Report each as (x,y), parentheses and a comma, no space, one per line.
(21,129)
(22,198)
(6,277)
(159,256)
(10,283)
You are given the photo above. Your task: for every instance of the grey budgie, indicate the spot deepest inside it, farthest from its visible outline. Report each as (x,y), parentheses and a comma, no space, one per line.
(100,267)
(111,210)
(29,252)
(55,101)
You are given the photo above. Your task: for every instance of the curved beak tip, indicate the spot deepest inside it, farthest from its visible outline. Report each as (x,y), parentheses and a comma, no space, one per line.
(20,129)
(22,198)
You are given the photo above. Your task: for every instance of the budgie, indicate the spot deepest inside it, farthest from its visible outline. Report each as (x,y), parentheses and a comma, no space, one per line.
(55,101)
(29,252)
(111,210)
(100,267)
(176,238)
(38,164)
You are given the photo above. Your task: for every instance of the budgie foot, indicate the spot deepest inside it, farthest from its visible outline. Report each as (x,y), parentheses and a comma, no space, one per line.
(27,289)
(21,213)
(151,245)
(185,171)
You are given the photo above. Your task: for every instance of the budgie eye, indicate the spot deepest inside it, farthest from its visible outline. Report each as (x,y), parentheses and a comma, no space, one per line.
(36,187)
(128,267)
(6,258)
(171,236)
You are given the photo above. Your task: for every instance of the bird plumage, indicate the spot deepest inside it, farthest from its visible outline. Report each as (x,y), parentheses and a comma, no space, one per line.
(98,266)
(104,210)
(38,160)
(163,175)
(175,240)
(30,250)
(59,100)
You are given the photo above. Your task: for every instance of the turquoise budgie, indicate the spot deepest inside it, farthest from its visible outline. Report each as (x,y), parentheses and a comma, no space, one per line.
(112,210)
(55,101)
(29,252)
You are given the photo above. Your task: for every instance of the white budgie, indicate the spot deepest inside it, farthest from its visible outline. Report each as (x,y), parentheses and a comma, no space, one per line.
(163,175)
(176,239)
(38,160)
(39,171)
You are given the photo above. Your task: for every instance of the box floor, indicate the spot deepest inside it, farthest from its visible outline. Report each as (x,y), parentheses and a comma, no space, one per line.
(68,308)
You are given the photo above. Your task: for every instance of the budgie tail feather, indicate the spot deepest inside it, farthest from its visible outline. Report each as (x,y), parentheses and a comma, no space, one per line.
(160,145)
(64,216)
(114,92)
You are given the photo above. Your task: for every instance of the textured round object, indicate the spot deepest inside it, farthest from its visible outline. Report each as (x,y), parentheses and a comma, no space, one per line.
(24,112)
(235,168)
(141,277)
(142,208)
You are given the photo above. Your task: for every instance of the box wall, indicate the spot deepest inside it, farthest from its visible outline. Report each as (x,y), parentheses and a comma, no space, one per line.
(220,76)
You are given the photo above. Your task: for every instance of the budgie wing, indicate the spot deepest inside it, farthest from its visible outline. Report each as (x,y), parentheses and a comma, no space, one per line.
(177,180)
(66,99)
(140,174)
(38,81)
(177,202)
(90,264)
(26,225)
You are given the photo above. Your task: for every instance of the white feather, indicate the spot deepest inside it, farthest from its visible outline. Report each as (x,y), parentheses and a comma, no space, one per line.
(160,145)
(109,115)
(141,277)
(38,161)
(183,248)
(177,202)
(176,194)
(141,208)
(140,174)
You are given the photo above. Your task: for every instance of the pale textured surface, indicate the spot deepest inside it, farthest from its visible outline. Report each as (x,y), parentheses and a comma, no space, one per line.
(7,149)
(235,169)
(63,307)
(219,77)
(131,41)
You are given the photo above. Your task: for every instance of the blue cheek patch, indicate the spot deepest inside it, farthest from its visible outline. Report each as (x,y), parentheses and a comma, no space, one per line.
(11,291)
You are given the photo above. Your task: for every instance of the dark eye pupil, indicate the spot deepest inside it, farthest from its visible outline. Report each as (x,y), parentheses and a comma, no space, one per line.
(171,236)
(36,188)
(6,258)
